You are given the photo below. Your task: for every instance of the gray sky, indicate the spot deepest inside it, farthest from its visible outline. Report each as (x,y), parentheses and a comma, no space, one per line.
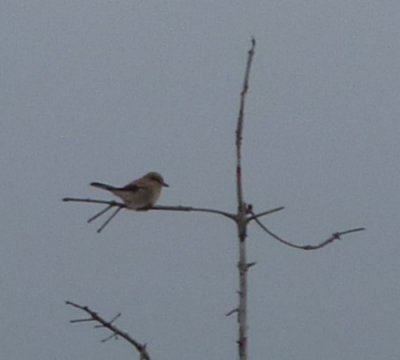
(108,90)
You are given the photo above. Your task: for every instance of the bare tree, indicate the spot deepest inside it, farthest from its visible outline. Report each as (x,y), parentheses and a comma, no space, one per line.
(243,216)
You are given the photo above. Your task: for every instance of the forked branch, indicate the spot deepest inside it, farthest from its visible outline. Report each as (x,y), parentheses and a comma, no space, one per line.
(115,331)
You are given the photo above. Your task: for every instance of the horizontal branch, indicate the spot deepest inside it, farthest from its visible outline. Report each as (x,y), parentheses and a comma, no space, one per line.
(141,348)
(190,208)
(157,207)
(332,238)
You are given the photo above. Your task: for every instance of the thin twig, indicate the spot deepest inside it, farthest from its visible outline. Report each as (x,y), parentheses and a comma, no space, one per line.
(229,313)
(117,210)
(140,348)
(80,320)
(332,238)
(109,337)
(93,201)
(94,217)
(267,212)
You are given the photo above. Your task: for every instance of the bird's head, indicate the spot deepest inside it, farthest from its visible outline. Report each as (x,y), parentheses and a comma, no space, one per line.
(155,176)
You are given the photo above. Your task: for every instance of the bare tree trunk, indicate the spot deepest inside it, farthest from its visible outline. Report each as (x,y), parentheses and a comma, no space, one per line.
(242,310)
(242,215)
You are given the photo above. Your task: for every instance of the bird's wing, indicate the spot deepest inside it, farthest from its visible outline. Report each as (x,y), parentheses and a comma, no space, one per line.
(131,187)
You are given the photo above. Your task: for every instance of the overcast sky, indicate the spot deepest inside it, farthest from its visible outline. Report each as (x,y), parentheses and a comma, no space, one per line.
(108,90)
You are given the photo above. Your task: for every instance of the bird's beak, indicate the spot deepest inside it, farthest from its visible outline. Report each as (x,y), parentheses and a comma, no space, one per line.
(165,184)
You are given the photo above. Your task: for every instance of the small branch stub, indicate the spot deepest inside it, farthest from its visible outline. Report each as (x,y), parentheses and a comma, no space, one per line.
(233,311)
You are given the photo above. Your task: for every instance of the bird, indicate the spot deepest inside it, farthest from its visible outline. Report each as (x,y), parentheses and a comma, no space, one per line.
(139,194)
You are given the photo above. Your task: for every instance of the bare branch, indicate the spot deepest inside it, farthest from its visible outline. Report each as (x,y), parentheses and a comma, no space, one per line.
(267,212)
(239,127)
(80,320)
(109,337)
(140,348)
(335,236)
(116,211)
(94,217)
(190,208)
(157,207)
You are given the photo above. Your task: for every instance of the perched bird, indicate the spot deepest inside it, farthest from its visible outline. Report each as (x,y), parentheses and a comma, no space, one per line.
(138,194)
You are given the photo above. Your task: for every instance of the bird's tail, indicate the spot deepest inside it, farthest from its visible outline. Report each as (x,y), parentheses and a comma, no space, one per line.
(103,186)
